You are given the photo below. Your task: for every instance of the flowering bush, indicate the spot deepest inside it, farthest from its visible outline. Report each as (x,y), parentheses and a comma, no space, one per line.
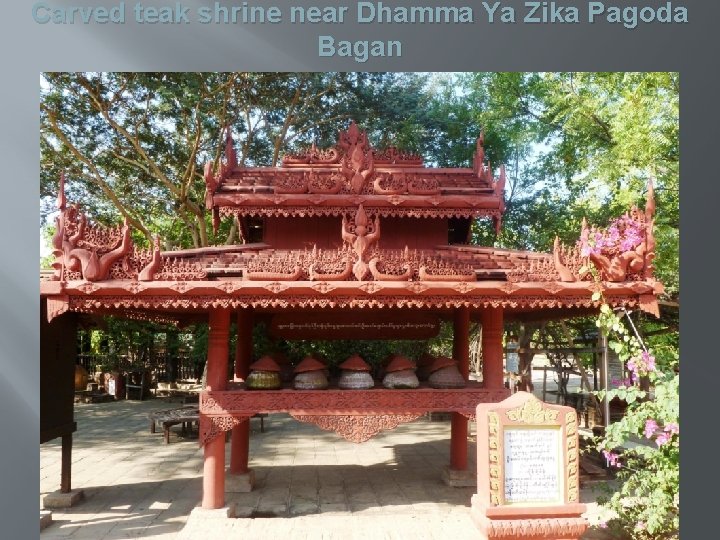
(623,234)
(647,504)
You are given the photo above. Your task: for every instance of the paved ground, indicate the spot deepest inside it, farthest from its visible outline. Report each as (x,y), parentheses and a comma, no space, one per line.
(310,483)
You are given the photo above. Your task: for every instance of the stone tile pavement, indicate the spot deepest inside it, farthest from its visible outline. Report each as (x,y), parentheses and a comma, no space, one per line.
(310,484)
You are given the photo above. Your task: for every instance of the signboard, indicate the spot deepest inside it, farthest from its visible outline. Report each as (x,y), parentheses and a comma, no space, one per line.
(531,465)
(345,325)
(528,470)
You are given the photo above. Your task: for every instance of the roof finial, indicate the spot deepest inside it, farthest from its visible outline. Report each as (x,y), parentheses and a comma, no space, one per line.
(650,201)
(230,155)
(61,193)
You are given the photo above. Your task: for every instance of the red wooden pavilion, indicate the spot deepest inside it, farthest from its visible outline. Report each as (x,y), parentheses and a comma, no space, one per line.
(347,242)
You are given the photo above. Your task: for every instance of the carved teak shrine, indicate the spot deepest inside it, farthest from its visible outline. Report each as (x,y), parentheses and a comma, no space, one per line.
(348,242)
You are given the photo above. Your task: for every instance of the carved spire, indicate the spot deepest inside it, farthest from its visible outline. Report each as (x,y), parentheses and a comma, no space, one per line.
(230,155)
(650,202)
(61,202)
(649,267)
(479,157)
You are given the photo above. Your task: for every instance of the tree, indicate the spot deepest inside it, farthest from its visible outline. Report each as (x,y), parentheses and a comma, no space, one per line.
(134,144)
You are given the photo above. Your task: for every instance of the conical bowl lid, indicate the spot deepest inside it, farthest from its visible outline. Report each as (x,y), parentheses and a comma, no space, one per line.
(441,362)
(309,364)
(266,363)
(355,363)
(399,363)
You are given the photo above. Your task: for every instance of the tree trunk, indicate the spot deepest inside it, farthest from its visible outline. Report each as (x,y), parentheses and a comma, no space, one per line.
(526,358)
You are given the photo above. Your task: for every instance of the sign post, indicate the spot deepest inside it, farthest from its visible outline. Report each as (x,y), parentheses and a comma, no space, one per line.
(528,470)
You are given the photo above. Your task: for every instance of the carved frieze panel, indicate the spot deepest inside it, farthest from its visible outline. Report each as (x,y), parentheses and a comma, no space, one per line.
(357,428)
(394,156)
(404,209)
(105,303)
(312,155)
(374,401)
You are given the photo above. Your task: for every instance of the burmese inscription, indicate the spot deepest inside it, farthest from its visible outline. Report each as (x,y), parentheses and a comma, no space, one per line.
(532,465)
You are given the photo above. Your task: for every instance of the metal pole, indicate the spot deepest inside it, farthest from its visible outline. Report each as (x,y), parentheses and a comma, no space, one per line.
(604,376)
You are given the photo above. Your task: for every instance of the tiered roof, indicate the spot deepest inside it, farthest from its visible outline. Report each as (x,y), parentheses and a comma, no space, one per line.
(98,270)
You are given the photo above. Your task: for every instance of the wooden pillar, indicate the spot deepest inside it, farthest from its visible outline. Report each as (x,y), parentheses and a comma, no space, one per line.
(217,374)
(459,423)
(66,463)
(240,441)
(492,330)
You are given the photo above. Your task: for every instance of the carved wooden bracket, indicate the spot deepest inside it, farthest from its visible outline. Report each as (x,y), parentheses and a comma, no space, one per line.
(213,426)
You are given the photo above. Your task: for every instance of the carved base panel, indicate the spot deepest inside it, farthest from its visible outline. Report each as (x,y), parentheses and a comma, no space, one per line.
(551,528)
(357,428)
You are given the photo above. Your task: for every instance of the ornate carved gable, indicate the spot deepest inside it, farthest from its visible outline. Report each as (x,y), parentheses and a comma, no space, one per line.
(386,181)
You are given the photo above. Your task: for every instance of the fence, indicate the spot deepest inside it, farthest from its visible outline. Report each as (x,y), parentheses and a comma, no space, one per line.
(162,367)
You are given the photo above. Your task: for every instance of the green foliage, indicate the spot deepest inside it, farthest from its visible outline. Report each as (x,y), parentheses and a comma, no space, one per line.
(647,504)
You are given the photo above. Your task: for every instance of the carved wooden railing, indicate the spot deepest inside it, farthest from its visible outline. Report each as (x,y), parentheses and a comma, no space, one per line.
(356,415)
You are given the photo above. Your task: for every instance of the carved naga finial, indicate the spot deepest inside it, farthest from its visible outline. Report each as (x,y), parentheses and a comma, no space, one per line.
(617,266)
(148,273)
(87,249)
(565,274)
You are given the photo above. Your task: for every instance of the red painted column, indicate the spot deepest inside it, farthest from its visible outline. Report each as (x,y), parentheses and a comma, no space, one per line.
(459,423)
(217,374)
(492,330)
(240,441)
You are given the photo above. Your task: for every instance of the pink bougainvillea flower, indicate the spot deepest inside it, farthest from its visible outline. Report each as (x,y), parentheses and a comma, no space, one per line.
(649,361)
(612,458)
(650,428)
(662,439)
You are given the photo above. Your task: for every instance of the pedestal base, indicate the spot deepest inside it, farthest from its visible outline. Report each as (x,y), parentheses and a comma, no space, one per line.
(45,519)
(455,478)
(239,483)
(533,523)
(214,513)
(58,499)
